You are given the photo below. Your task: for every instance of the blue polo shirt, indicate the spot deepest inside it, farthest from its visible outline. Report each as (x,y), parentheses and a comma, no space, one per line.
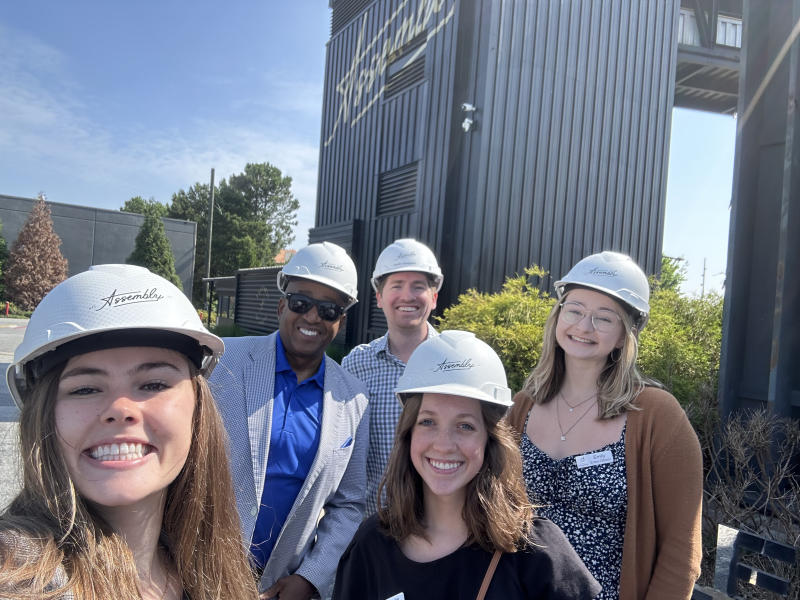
(296,425)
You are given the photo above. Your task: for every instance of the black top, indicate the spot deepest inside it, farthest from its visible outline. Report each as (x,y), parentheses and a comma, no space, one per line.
(374,568)
(588,502)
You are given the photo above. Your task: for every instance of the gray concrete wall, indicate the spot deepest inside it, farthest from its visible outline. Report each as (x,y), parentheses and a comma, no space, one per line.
(93,236)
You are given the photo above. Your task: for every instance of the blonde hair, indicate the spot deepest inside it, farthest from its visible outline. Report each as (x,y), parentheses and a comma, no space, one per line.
(619,383)
(496,510)
(53,542)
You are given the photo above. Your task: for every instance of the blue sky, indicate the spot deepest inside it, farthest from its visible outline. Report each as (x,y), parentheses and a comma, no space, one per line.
(102,101)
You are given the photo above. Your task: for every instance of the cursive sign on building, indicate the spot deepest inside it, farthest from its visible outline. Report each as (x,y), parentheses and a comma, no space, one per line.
(356,91)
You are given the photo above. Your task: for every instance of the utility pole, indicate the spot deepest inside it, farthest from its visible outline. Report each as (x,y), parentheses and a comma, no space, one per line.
(703,285)
(208,262)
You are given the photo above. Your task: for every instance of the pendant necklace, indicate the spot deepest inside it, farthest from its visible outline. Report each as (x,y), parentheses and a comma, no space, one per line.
(571,427)
(574,406)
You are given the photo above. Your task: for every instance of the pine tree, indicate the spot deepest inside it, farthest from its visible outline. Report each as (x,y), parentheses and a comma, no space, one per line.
(35,265)
(153,251)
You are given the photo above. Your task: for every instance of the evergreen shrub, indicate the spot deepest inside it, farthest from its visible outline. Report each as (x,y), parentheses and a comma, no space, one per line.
(679,347)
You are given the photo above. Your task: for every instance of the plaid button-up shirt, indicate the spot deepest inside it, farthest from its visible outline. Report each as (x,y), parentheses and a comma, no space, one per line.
(379,369)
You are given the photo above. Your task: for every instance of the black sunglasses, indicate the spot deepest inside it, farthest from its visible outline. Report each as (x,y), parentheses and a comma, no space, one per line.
(301,304)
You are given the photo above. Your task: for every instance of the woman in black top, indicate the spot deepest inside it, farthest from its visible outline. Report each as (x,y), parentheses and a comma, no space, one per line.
(454,494)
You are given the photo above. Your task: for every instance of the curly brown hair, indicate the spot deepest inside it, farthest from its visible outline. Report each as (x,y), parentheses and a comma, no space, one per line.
(496,510)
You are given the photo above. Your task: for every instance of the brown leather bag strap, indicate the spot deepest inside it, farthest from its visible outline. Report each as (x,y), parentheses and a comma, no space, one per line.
(487,579)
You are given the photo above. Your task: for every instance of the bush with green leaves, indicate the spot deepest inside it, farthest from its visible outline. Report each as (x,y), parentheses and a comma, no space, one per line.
(679,347)
(511,321)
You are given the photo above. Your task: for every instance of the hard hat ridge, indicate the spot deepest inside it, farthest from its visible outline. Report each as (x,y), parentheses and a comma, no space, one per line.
(616,275)
(456,363)
(407,254)
(325,263)
(105,307)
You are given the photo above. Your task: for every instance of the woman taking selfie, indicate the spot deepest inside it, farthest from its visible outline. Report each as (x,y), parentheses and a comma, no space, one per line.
(612,460)
(125,488)
(456,522)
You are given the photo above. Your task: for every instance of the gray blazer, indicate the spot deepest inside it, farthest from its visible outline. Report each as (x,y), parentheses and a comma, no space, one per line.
(330,505)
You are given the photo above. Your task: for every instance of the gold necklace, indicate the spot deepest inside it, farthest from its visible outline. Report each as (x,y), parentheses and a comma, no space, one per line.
(574,406)
(571,427)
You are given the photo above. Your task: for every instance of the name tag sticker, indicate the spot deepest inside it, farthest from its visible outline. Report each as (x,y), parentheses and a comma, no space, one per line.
(594,459)
(400,596)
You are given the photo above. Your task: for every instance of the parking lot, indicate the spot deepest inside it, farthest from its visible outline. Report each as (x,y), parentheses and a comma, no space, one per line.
(11,332)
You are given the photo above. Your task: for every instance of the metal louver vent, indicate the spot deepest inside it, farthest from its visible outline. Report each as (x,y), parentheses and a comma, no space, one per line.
(412,73)
(397,190)
(345,11)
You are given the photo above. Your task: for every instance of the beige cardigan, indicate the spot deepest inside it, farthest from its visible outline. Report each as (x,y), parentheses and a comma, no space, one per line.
(664,467)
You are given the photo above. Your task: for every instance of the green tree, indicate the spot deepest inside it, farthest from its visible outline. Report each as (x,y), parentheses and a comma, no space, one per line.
(140,206)
(254,213)
(153,251)
(35,264)
(673,274)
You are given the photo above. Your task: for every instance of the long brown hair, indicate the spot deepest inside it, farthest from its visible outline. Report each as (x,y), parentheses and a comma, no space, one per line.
(496,509)
(619,383)
(54,542)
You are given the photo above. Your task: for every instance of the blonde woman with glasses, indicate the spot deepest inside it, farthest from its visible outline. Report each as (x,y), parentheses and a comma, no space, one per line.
(611,458)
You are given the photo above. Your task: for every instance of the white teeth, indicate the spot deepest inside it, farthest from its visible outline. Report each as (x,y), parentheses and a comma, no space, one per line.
(580,339)
(123,451)
(445,466)
(407,308)
(305,331)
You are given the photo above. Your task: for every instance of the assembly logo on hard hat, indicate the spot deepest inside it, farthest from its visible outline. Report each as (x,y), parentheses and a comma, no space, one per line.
(330,266)
(405,258)
(115,298)
(603,272)
(454,365)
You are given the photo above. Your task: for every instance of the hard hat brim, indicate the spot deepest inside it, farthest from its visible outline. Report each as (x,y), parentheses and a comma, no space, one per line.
(503,398)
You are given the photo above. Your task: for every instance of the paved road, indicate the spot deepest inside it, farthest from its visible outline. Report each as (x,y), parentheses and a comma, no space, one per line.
(11,332)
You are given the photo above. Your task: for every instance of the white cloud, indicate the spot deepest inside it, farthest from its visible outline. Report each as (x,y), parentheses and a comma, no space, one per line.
(49,140)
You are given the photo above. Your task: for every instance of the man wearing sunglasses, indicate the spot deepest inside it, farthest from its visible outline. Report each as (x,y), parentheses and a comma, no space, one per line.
(298,428)
(406,280)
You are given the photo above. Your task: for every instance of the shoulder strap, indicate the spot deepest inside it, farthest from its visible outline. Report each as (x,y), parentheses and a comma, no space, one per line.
(487,579)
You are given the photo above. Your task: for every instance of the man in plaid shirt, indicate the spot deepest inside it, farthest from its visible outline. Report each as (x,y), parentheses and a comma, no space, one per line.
(407,280)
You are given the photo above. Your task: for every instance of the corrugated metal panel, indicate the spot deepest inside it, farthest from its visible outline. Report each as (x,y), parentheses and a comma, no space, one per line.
(759,365)
(573,127)
(257,299)
(566,156)
(345,11)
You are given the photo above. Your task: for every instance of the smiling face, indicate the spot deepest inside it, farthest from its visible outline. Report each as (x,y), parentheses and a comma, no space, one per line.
(305,336)
(581,340)
(407,299)
(123,418)
(448,442)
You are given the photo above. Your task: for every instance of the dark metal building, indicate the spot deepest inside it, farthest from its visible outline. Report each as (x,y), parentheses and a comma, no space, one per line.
(760,362)
(93,236)
(500,132)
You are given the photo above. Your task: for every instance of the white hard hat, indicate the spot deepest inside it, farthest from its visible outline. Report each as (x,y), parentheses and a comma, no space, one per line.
(614,274)
(407,255)
(110,306)
(456,363)
(324,263)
